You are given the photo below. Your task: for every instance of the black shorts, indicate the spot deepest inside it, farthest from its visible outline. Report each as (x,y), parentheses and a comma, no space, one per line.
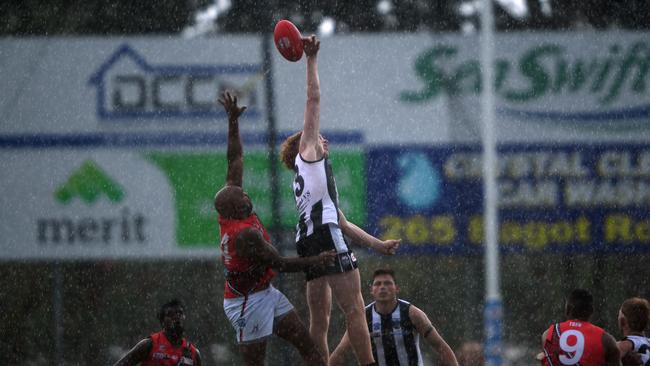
(324,238)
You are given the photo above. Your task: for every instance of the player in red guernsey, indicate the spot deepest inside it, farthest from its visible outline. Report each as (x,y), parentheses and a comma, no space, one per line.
(167,347)
(254,307)
(576,341)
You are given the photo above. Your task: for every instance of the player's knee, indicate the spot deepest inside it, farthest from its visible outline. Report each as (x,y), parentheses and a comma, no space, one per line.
(319,317)
(353,312)
(319,326)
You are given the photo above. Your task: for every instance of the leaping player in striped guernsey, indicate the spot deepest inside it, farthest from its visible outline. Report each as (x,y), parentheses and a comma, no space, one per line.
(395,327)
(322,225)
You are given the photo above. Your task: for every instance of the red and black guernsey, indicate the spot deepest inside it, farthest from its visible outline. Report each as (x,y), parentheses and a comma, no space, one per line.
(242,276)
(163,353)
(574,342)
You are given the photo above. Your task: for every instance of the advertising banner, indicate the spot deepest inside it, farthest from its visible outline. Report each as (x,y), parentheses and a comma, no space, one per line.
(77,204)
(566,198)
(115,147)
(391,88)
(106,143)
(425,88)
(105,85)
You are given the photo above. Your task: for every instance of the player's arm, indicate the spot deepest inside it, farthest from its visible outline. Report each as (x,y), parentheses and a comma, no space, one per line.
(358,236)
(624,346)
(430,334)
(137,354)
(198,357)
(337,358)
(542,355)
(310,147)
(544,335)
(251,244)
(612,354)
(235,153)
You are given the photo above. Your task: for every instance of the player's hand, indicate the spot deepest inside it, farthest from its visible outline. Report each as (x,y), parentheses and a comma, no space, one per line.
(326,258)
(632,358)
(388,247)
(229,103)
(310,45)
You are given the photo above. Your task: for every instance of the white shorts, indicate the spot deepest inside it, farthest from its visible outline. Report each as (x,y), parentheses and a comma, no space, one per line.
(254,316)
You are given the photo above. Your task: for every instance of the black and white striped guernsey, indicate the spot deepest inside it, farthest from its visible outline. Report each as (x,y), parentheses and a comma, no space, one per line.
(641,346)
(395,341)
(314,189)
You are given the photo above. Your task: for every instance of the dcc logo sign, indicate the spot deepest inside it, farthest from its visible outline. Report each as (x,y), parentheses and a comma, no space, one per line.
(128,87)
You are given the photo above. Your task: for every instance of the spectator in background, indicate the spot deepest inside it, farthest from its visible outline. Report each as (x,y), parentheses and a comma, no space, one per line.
(577,340)
(395,327)
(167,347)
(470,354)
(633,319)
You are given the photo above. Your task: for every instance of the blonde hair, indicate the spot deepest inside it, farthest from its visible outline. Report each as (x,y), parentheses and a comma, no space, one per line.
(637,313)
(289,150)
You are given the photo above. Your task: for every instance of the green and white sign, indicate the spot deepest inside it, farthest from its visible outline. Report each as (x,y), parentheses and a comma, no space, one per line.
(195,177)
(67,204)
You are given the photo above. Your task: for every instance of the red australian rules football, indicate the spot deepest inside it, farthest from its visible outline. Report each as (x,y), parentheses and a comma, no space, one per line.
(288,40)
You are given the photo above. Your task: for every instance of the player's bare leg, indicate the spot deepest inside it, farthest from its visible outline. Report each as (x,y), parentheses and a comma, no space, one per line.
(291,328)
(253,353)
(346,288)
(319,299)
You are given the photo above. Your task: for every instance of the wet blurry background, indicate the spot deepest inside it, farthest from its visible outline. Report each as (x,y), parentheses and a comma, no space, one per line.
(112,149)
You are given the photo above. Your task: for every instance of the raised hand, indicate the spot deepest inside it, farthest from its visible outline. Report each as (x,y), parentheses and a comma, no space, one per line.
(310,45)
(229,103)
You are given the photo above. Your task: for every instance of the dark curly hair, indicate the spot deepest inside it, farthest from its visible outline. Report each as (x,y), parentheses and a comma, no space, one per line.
(384,271)
(171,304)
(580,304)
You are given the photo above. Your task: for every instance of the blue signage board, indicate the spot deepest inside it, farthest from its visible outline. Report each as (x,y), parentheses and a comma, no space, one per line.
(552,198)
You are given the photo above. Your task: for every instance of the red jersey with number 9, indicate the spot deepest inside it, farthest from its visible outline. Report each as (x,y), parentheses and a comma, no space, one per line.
(242,276)
(574,342)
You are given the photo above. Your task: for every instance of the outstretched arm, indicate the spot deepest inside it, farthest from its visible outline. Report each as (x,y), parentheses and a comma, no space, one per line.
(359,236)
(251,244)
(137,354)
(310,147)
(428,331)
(235,152)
